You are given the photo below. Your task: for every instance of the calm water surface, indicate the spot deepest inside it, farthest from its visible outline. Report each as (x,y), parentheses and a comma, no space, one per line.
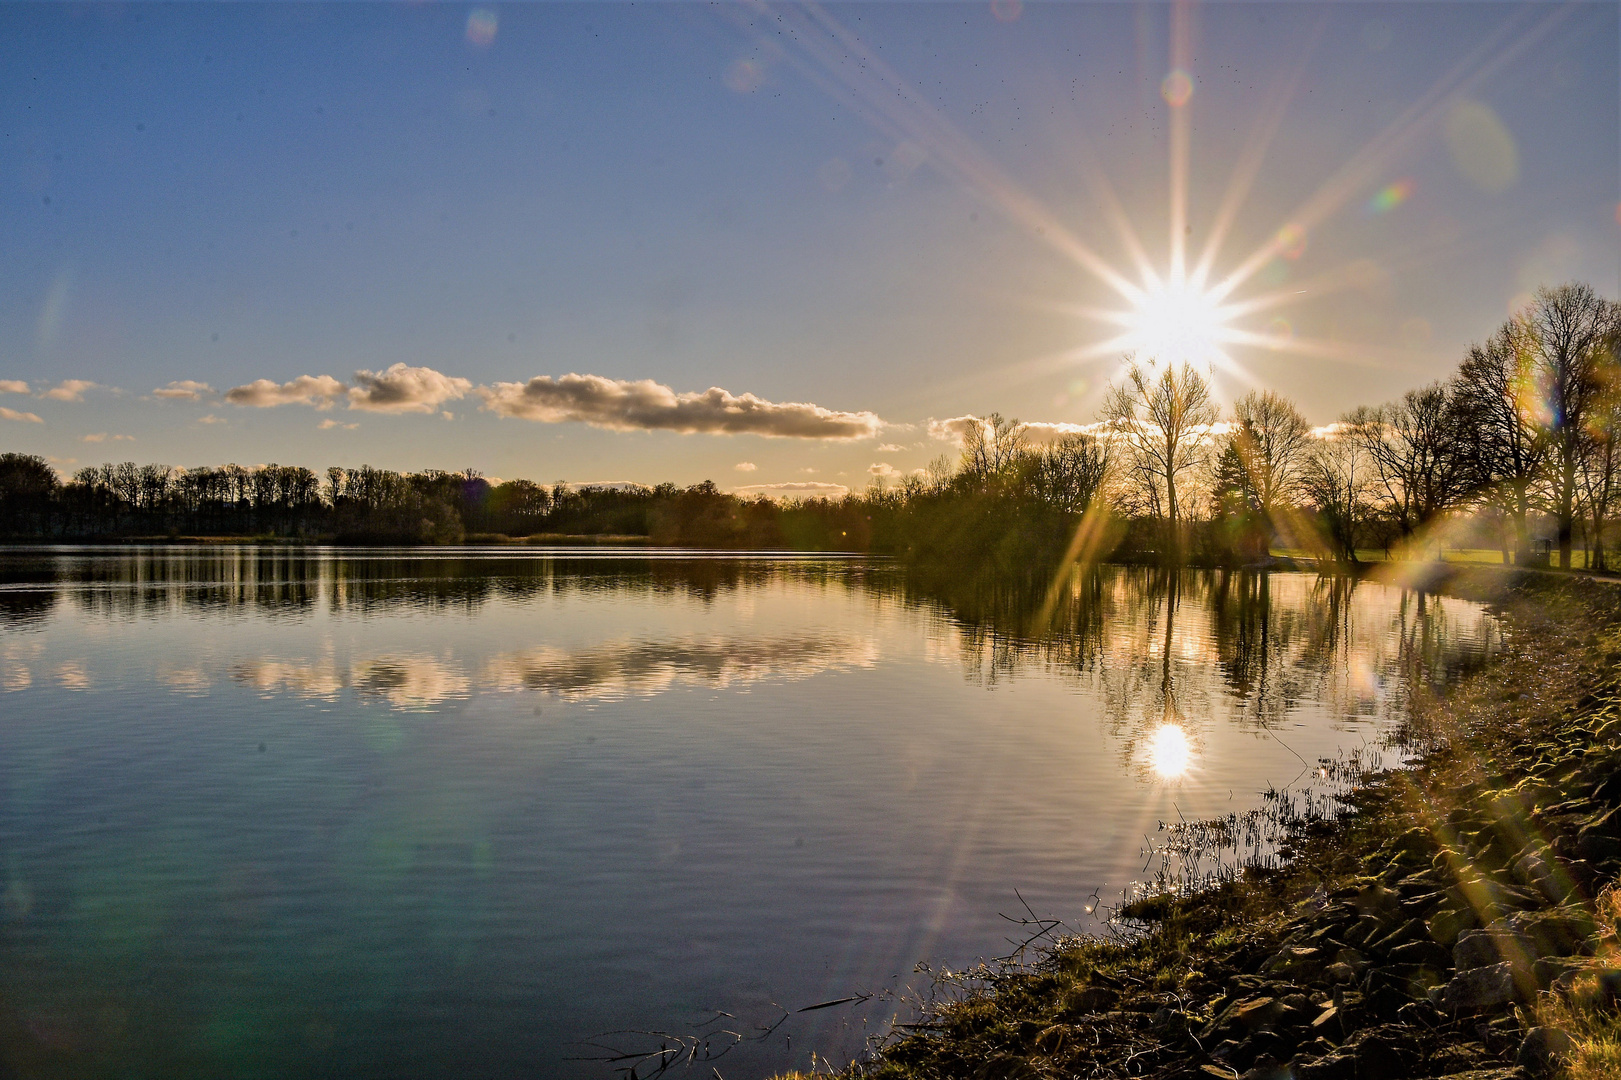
(270,812)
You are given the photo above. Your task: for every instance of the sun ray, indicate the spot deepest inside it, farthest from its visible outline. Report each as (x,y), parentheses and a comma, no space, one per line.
(1178,93)
(1357,173)
(1252,156)
(894,105)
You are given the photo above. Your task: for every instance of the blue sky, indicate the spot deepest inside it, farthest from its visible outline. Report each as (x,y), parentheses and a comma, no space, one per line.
(869,209)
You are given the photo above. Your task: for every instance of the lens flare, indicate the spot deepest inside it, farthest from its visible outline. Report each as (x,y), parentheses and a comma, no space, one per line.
(1291,241)
(1177,88)
(1007,10)
(1391,196)
(1169,752)
(481,24)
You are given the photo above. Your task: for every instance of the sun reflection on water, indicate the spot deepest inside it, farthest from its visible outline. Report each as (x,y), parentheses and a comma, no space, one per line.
(1169,752)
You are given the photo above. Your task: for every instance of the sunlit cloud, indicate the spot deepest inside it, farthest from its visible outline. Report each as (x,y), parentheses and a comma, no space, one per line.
(402,389)
(1034,432)
(797,489)
(330,424)
(69,390)
(13,386)
(645,405)
(890,448)
(24,417)
(317,390)
(184,390)
(102,436)
(211,419)
(745,466)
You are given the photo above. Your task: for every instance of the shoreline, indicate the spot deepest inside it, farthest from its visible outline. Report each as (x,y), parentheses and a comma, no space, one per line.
(1457,920)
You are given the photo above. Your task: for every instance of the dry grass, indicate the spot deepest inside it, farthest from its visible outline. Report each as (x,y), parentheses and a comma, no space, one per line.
(1592,1021)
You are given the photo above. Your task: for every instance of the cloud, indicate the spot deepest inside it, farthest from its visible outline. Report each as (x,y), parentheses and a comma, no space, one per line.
(890,448)
(954,429)
(803,489)
(212,419)
(13,386)
(102,436)
(1036,432)
(185,390)
(403,389)
(883,469)
(645,405)
(69,390)
(328,424)
(317,390)
(745,466)
(13,414)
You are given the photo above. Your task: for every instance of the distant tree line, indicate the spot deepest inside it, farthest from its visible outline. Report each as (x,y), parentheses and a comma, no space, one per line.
(1521,438)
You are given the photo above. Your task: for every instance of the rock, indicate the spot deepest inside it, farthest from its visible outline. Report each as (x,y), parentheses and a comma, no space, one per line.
(1566,931)
(1337,1066)
(1341,973)
(1445,925)
(1376,900)
(1483,948)
(1543,1051)
(1261,1013)
(1422,954)
(1268,1069)
(1378,1059)
(1481,989)
(1549,970)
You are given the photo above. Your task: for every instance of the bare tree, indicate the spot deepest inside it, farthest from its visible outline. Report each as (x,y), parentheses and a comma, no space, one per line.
(1600,482)
(1413,446)
(1567,332)
(1506,447)
(1162,421)
(1335,479)
(1272,442)
(992,446)
(1069,474)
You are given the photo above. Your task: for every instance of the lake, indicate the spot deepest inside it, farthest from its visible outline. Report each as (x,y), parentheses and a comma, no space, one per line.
(271,812)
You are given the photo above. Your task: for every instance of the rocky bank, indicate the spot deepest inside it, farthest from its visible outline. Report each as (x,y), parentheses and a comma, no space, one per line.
(1458,919)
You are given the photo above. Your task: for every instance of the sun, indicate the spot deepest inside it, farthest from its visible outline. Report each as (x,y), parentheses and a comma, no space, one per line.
(1176,322)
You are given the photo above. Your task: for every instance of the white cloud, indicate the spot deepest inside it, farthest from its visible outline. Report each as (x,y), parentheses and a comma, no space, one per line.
(13,414)
(69,390)
(645,405)
(890,448)
(954,429)
(402,389)
(804,489)
(102,436)
(1036,432)
(317,390)
(883,469)
(745,466)
(211,419)
(328,424)
(13,386)
(185,390)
